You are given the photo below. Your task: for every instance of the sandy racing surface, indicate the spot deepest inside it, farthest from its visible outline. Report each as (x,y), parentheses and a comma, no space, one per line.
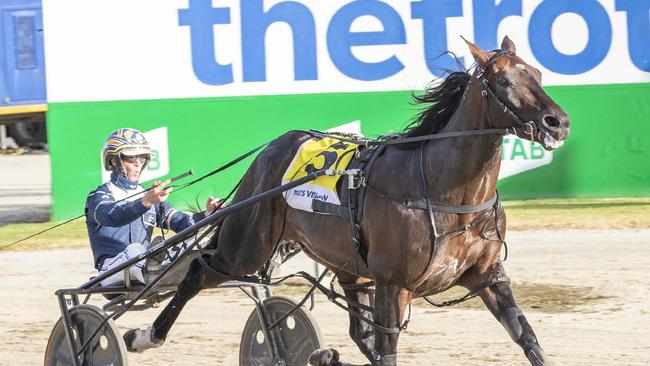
(24,188)
(586,293)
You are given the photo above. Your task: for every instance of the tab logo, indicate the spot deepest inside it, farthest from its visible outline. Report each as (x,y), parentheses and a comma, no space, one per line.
(519,155)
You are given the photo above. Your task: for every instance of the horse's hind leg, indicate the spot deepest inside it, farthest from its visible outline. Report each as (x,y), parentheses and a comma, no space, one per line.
(390,302)
(362,291)
(500,301)
(196,279)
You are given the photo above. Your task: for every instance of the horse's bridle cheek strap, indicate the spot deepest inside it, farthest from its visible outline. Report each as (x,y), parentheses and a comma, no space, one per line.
(487,93)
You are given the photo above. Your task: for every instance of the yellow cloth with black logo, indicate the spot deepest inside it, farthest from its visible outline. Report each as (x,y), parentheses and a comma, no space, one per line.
(313,155)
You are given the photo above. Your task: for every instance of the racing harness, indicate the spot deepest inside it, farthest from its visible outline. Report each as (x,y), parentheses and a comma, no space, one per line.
(354,195)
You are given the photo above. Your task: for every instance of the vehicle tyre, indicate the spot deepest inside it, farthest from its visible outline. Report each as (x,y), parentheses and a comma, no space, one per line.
(106,348)
(297,337)
(28,133)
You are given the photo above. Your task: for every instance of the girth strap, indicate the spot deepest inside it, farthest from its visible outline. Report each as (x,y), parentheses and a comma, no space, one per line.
(330,208)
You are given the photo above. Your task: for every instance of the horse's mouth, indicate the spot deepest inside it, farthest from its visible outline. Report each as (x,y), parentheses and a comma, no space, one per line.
(548,141)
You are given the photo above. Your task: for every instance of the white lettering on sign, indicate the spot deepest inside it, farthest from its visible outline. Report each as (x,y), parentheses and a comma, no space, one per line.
(519,155)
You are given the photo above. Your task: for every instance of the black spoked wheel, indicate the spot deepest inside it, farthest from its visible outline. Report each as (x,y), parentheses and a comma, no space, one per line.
(106,348)
(296,337)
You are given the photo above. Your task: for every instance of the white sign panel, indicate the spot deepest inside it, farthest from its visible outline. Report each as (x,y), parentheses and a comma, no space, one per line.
(156,49)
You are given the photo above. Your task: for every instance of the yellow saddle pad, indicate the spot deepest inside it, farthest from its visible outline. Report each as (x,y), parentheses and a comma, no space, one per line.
(313,155)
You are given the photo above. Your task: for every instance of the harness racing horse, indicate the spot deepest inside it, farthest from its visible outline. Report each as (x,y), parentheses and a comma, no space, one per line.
(411,252)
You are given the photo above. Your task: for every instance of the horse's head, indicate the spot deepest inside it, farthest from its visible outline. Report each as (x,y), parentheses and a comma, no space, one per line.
(514,87)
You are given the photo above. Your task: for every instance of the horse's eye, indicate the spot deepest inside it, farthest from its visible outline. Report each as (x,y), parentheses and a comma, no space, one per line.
(503,81)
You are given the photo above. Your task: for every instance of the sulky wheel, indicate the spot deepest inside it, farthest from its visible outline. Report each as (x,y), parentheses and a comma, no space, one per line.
(106,348)
(296,337)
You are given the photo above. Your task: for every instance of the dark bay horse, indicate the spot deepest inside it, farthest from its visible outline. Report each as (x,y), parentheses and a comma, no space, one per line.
(410,252)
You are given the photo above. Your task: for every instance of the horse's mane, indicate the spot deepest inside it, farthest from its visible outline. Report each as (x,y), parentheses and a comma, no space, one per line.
(443,97)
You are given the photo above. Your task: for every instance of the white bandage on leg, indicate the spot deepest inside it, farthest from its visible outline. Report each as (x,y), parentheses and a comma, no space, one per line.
(143,340)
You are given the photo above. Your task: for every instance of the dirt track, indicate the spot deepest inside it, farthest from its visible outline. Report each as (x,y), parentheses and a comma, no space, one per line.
(585,293)
(24,188)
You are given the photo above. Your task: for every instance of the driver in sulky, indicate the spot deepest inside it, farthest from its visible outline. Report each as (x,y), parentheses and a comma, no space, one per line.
(120,228)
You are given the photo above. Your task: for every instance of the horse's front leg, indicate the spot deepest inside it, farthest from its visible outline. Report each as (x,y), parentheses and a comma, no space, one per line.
(500,301)
(361,290)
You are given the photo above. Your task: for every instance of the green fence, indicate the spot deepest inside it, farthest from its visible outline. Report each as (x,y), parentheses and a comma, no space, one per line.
(607,154)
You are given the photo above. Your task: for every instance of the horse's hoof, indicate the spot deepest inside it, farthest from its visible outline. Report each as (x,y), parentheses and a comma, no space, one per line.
(137,340)
(324,357)
(536,356)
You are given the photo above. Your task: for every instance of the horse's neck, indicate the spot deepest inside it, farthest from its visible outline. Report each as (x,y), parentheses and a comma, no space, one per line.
(474,160)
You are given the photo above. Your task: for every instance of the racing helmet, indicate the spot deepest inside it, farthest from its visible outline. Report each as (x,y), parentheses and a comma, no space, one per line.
(125,141)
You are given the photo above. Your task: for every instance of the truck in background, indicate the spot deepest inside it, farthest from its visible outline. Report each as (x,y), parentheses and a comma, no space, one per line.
(23,100)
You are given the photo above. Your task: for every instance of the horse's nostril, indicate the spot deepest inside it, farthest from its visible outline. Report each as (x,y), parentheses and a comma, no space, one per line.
(551,122)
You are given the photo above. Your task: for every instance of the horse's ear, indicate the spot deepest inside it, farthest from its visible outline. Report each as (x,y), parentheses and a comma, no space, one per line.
(479,55)
(508,45)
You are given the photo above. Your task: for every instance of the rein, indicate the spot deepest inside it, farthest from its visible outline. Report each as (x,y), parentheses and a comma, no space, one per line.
(408,140)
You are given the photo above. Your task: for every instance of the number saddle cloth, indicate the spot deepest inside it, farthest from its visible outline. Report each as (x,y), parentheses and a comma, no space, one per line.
(326,194)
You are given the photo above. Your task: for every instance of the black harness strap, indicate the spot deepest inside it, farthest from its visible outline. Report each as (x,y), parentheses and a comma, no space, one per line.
(370,285)
(497,275)
(421,204)
(470,295)
(330,208)
(357,196)
(353,196)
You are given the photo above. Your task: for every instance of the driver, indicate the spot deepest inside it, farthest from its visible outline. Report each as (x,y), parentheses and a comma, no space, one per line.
(120,229)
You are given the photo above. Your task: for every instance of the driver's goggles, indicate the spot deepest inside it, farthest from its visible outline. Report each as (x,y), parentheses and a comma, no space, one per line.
(132,159)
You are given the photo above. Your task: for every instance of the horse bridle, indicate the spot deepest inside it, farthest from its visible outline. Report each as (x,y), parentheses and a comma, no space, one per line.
(529,128)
